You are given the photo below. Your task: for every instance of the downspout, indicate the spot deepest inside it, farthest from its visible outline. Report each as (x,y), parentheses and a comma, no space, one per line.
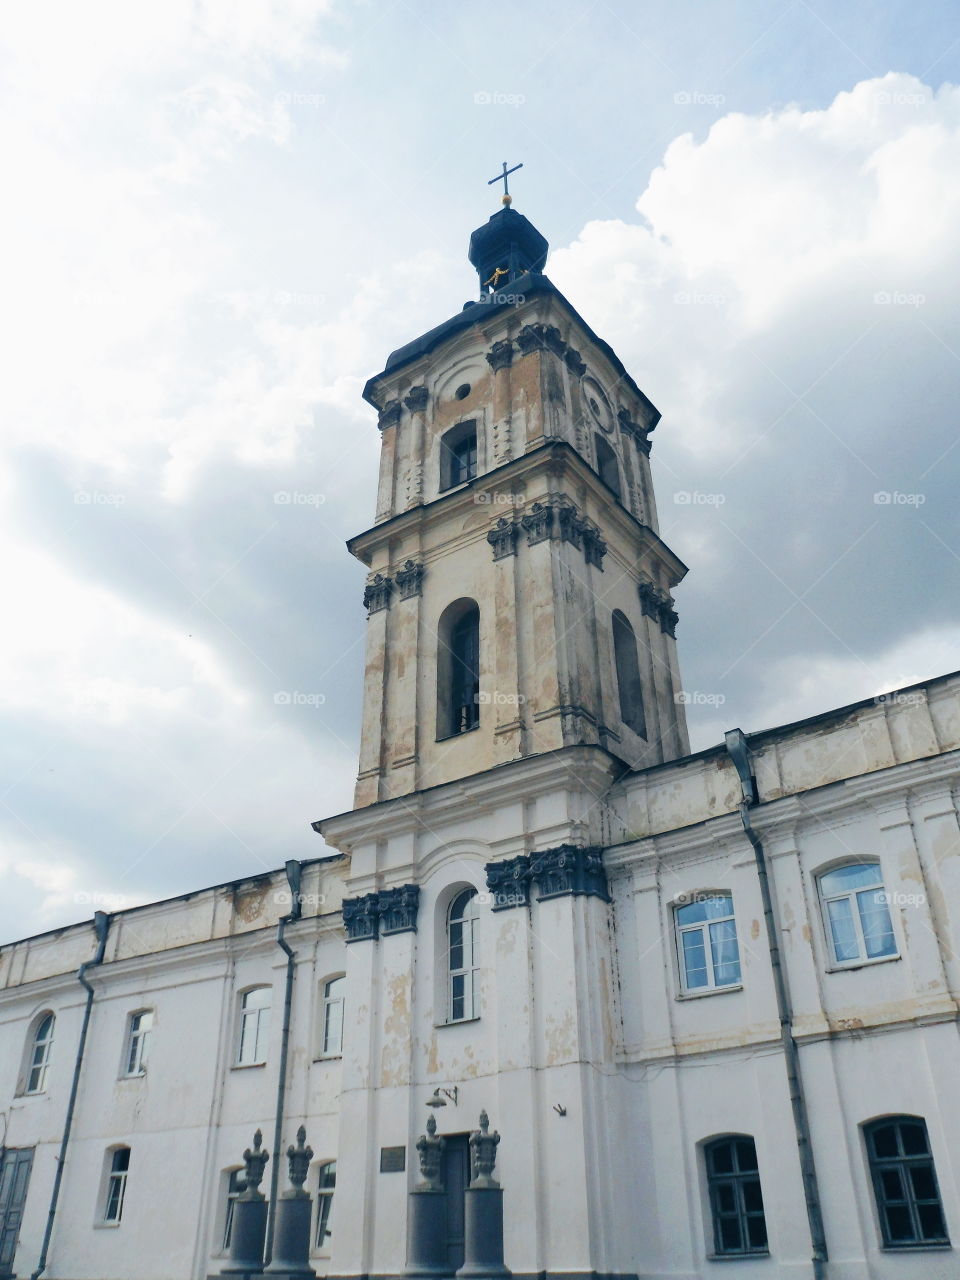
(739,752)
(101,924)
(293,871)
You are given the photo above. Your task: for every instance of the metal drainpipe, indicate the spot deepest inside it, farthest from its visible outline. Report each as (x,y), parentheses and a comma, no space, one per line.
(101,924)
(293,871)
(739,752)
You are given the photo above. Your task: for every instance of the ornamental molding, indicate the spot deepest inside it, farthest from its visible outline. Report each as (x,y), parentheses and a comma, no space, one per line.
(377,593)
(565,871)
(381,914)
(658,604)
(409,579)
(503,538)
(390,414)
(547,337)
(416,399)
(557,517)
(500,355)
(635,430)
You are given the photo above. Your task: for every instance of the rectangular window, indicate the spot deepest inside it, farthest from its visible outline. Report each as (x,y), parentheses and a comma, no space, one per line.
(905,1183)
(235,1184)
(707,938)
(138,1041)
(325,1190)
(117,1184)
(333,1016)
(857,913)
(254,1026)
(736,1200)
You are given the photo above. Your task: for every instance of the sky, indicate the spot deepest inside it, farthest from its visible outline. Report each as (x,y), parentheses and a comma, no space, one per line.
(220,216)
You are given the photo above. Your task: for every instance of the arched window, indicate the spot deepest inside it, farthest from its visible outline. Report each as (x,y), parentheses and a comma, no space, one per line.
(707,942)
(326,1186)
(736,1200)
(38,1054)
(608,468)
(458,455)
(458,669)
(332,1039)
(856,914)
(463,967)
(254,1026)
(118,1168)
(905,1183)
(628,675)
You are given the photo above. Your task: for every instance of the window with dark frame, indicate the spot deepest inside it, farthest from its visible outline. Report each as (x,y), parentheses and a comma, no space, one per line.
(117,1184)
(325,1188)
(629,686)
(608,468)
(465,672)
(458,455)
(905,1183)
(736,1200)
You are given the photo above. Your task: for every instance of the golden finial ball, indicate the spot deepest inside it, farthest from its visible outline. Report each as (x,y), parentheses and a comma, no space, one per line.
(507,199)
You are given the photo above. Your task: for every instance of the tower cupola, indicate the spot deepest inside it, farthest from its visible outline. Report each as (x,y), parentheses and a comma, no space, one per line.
(506,247)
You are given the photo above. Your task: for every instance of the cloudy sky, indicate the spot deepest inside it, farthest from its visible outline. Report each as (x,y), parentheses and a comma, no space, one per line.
(219,218)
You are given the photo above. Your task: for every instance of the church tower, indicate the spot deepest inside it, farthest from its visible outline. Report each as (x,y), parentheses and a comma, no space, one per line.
(519,595)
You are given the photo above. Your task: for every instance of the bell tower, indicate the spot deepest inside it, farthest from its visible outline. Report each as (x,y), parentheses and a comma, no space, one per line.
(519,594)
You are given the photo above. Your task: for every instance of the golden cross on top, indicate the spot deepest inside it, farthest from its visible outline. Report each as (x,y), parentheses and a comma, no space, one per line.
(502,177)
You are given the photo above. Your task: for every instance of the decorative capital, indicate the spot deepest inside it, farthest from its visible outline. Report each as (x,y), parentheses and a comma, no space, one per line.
(255,1161)
(397,909)
(553,341)
(509,882)
(430,1151)
(594,547)
(376,594)
(390,414)
(361,918)
(569,523)
(569,869)
(651,600)
(503,538)
(483,1153)
(636,430)
(416,399)
(409,579)
(669,618)
(530,338)
(299,1158)
(537,522)
(574,362)
(500,355)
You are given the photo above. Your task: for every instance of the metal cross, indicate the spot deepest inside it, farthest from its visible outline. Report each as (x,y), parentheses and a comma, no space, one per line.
(502,177)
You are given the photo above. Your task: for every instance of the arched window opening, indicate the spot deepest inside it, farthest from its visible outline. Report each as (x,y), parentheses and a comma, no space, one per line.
(736,1199)
(856,913)
(458,669)
(905,1183)
(325,1188)
(38,1061)
(458,455)
(332,1040)
(254,1026)
(463,965)
(608,468)
(628,675)
(707,942)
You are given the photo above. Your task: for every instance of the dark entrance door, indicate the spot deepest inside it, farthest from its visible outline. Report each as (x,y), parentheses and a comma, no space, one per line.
(14,1177)
(456,1179)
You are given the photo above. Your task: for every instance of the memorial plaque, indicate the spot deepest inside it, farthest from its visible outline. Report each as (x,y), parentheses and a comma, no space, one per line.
(393,1159)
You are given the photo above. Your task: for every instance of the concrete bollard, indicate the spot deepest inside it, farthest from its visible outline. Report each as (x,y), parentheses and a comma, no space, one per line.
(426,1218)
(483,1247)
(291,1236)
(249,1216)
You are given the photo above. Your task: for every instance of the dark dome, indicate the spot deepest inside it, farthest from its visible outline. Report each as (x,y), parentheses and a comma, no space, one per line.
(508,242)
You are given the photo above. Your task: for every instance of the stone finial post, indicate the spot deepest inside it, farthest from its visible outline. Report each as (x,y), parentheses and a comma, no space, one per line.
(483,1244)
(291,1237)
(249,1215)
(427,1217)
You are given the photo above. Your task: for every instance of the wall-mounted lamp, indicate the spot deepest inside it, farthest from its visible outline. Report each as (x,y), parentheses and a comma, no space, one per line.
(435,1100)
(561,1111)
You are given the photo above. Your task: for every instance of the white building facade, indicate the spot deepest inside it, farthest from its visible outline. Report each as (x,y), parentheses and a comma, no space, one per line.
(709,1001)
